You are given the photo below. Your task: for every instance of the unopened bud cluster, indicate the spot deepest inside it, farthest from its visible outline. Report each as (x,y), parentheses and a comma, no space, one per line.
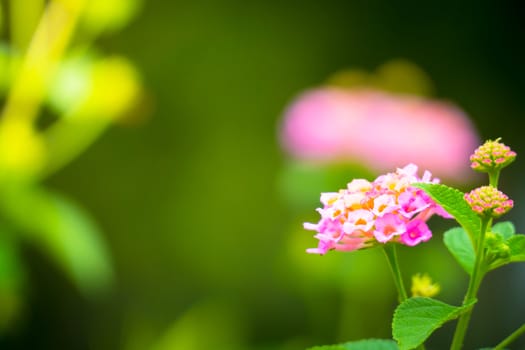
(491,156)
(487,201)
(496,246)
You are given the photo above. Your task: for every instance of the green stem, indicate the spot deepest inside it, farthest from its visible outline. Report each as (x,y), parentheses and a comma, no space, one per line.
(23,19)
(510,338)
(391,255)
(472,291)
(46,47)
(494,178)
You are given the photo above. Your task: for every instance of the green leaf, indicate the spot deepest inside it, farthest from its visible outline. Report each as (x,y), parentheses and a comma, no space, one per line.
(517,248)
(459,245)
(64,231)
(416,318)
(504,229)
(452,201)
(515,252)
(367,344)
(77,243)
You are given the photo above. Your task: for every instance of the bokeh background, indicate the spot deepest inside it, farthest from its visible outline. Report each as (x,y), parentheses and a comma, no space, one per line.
(189,188)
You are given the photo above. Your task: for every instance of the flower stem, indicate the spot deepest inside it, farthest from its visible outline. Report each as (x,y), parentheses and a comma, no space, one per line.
(510,338)
(45,49)
(474,283)
(494,178)
(23,18)
(391,255)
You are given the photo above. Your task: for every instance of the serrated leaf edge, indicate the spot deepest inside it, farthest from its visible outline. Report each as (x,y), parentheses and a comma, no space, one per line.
(458,311)
(467,221)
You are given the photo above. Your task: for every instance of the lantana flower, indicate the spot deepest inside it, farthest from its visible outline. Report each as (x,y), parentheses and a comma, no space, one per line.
(367,213)
(488,201)
(492,156)
(331,125)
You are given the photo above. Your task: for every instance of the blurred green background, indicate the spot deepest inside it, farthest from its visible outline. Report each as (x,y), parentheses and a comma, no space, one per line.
(205,250)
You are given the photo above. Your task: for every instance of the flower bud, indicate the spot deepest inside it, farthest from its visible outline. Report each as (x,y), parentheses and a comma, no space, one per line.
(488,202)
(496,247)
(491,156)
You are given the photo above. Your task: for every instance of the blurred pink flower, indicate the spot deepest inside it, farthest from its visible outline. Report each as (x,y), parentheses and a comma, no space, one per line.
(379,130)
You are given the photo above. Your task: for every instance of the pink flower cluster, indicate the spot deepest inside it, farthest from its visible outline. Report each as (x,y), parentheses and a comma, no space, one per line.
(367,213)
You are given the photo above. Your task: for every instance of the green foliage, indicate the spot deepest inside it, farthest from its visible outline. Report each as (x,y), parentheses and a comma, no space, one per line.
(504,229)
(514,249)
(416,318)
(62,230)
(367,344)
(75,241)
(459,245)
(452,201)
(517,248)
(504,246)
(54,67)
